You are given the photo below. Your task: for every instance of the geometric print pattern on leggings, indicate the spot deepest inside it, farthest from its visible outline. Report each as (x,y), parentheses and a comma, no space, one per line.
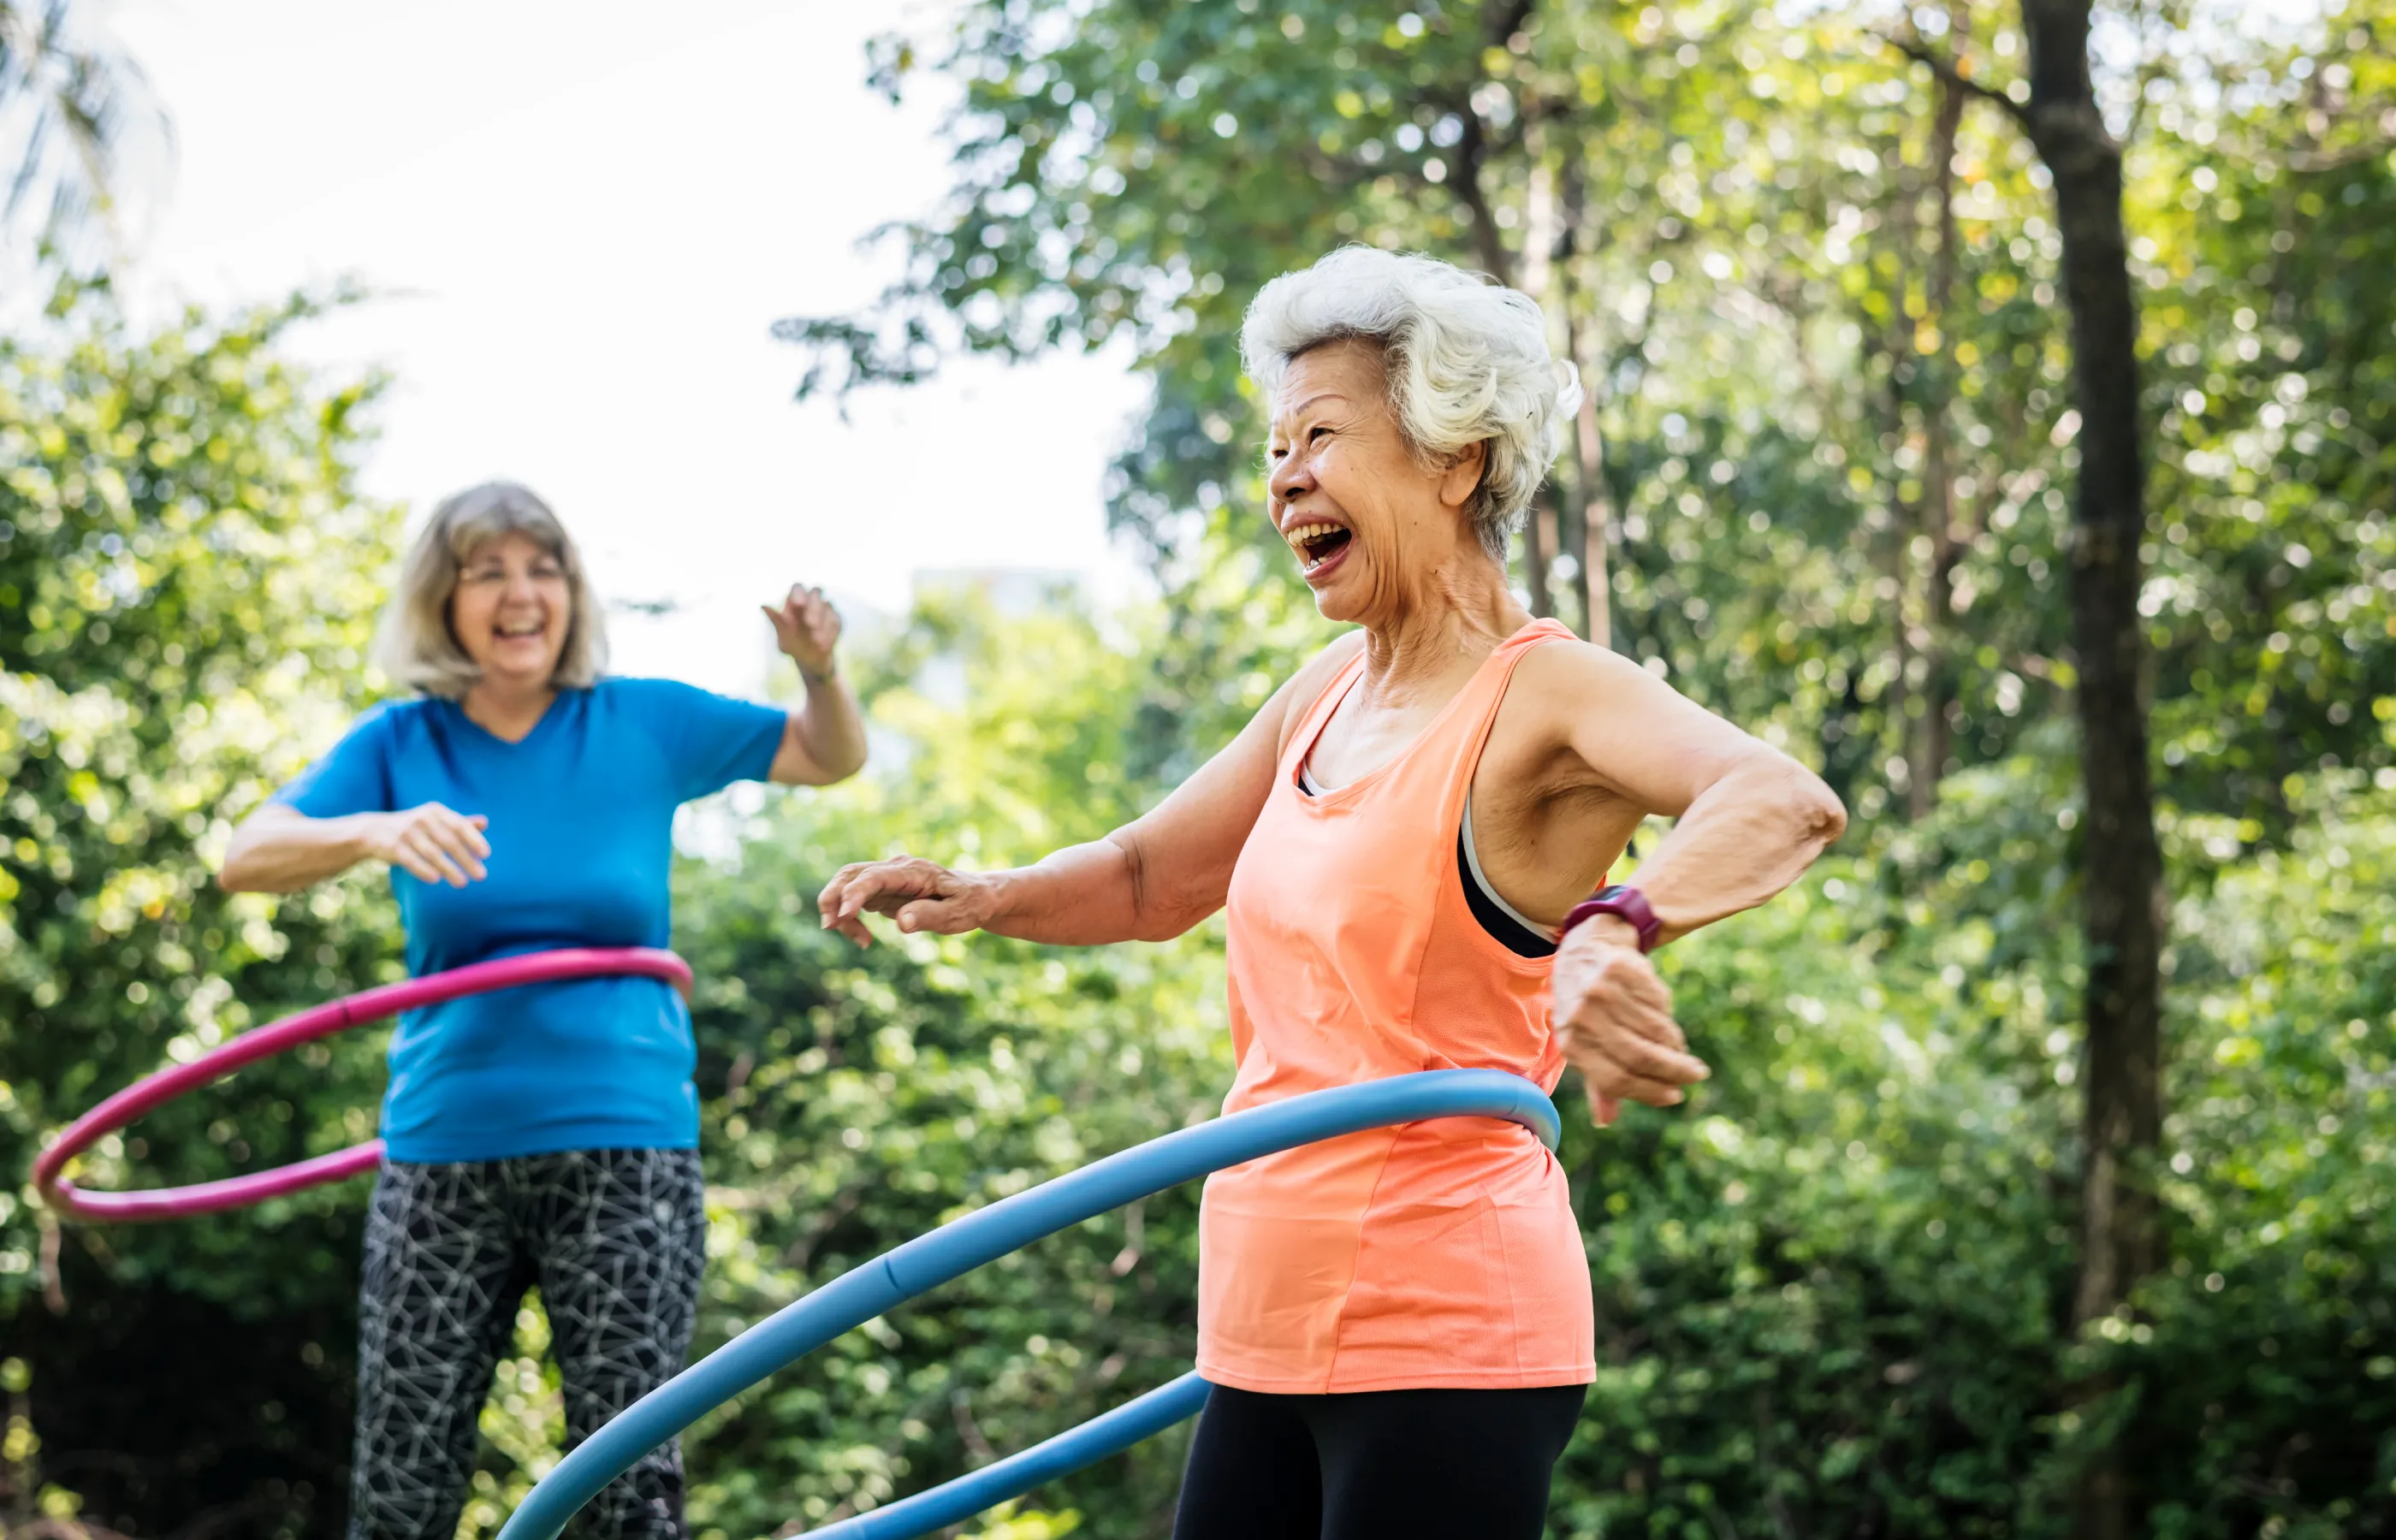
(616,1239)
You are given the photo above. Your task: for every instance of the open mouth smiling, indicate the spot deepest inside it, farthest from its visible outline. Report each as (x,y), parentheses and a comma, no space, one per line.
(1316,542)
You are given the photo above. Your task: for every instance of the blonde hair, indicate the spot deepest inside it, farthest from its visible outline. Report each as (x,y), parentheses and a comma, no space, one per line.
(418,647)
(1468,362)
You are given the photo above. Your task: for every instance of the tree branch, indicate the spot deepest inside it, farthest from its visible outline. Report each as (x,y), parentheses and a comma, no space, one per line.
(1947,70)
(1472,154)
(2311,162)
(1506,19)
(1472,151)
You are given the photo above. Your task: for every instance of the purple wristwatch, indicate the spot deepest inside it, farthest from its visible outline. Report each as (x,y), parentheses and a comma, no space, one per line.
(1627,904)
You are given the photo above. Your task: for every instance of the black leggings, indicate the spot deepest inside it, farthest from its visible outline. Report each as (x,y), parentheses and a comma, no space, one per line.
(616,1240)
(1387,1465)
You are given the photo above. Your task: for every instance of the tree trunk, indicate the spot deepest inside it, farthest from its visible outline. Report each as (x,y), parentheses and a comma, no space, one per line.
(1932,745)
(1540,534)
(1897,344)
(1538,552)
(1596,576)
(1594,525)
(2121,865)
(1498,26)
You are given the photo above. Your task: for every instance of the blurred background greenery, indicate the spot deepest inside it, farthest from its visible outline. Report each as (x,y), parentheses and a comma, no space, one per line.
(1810,262)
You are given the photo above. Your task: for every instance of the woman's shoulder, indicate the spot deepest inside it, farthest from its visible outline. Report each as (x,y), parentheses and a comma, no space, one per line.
(640,693)
(1565,662)
(395,717)
(666,703)
(1324,665)
(1315,675)
(1562,685)
(383,729)
(643,690)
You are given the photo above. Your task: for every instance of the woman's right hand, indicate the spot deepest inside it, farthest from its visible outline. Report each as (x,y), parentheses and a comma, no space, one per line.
(1613,1021)
(433,843)
(919,894)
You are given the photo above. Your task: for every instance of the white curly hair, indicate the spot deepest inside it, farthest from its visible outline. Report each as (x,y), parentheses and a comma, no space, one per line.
(1467,360)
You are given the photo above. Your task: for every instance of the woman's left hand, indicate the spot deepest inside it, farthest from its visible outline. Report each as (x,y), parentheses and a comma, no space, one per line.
(806,628)
(1613,1021)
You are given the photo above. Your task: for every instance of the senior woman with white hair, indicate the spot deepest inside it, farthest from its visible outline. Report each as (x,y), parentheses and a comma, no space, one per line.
(545,1134)
(1405,837)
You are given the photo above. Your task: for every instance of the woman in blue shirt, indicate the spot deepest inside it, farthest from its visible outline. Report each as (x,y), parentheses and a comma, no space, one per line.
(546,1134)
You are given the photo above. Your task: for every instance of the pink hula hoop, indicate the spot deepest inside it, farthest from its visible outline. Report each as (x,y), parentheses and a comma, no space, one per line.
(357,1010)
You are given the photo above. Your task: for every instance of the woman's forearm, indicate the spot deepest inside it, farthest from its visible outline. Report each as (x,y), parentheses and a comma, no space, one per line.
(1746,837)
(1082,895)
(1149,881)
(280,851)
(1092,895)
(823,741)
(831,728)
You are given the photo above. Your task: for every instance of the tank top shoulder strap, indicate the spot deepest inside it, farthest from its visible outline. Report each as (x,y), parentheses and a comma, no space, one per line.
(1467,732)
(1488,686)
(1309,726)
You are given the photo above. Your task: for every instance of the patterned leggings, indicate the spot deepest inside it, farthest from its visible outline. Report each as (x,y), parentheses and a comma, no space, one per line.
(615,1238)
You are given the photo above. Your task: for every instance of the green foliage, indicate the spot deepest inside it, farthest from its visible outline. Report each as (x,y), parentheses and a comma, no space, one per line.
(860,1098)
(1830,1291)
(184,592)
(1816,296)
(1836,436)
(1834,1293)
(2272,1362)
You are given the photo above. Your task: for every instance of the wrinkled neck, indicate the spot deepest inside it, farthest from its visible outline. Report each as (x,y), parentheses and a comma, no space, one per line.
(1448,619)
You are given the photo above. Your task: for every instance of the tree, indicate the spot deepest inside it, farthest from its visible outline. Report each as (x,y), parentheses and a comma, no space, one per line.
(187,581)
(2120,863)
(1822,295)
(71,106)
(1719,205)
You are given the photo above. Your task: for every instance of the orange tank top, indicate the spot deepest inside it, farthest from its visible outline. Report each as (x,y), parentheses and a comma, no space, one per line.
(1440,1253)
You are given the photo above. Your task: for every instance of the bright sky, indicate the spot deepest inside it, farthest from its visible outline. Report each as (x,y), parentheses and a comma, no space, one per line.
(585,217)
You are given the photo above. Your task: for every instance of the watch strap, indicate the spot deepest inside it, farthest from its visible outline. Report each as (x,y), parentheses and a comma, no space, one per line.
(1626,904)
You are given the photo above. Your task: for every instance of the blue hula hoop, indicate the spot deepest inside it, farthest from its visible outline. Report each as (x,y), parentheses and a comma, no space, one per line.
(985,1235)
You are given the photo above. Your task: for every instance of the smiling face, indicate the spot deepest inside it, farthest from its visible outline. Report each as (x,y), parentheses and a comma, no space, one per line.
(1369,523)
(512,610)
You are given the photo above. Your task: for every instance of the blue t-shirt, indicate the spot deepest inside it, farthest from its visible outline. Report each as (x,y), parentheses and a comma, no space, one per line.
(582,833)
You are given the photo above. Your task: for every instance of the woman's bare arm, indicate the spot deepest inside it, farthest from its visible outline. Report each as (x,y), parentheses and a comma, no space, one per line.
(1749,818)
(823,741)
(279,849)
(1149,881)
